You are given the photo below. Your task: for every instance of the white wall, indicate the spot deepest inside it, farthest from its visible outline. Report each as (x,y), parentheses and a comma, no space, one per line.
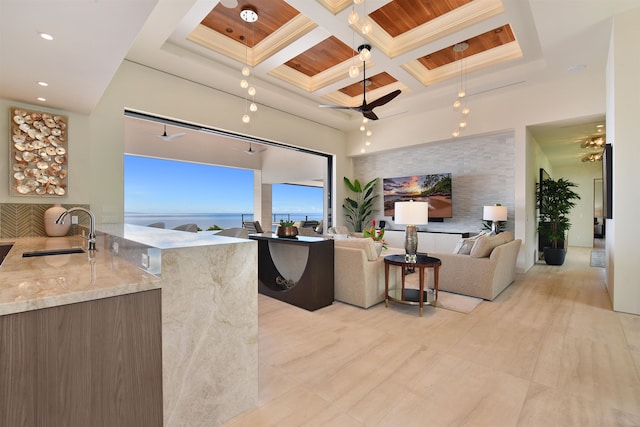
(623,128)
(581,216)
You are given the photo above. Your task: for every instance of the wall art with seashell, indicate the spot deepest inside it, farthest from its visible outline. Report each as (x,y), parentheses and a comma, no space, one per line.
(38,145)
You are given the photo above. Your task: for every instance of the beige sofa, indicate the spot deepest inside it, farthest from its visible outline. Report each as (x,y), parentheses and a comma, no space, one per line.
(484,273)
(359,271)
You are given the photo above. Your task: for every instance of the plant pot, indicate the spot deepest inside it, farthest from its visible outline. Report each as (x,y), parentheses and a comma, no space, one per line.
(287,231)
(554,256)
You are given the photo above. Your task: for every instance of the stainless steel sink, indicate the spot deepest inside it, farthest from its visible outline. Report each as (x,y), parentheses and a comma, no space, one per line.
(47,252)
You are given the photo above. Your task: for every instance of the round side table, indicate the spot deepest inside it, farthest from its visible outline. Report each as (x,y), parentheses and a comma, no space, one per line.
(412,296)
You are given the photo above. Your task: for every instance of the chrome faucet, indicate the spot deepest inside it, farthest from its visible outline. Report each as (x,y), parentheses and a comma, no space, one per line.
(92,225)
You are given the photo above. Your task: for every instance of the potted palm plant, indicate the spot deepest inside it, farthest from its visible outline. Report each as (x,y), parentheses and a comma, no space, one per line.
(555,201)
(360,207)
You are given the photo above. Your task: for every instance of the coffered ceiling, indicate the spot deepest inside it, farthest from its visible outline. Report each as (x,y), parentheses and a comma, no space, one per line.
(300,51)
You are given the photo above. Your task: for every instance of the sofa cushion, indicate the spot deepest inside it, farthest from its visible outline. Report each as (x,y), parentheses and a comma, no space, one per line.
(465,245)
(485,244)
(365,243)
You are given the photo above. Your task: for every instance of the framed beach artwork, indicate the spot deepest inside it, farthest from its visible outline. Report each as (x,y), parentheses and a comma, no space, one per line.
(434,188)
(38,153)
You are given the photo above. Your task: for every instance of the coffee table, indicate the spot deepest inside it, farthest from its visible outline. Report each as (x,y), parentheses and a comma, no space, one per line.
(412,296)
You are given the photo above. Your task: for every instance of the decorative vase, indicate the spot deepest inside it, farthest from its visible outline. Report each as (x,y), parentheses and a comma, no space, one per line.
(378,246)
(287,231)
(50,227)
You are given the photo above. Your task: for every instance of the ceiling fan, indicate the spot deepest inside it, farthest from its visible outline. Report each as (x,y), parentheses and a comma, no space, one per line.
(251,151)
(167,137)
(364,108)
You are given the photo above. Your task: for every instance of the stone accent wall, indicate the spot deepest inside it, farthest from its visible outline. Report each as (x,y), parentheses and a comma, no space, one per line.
(26,220)
(482,173)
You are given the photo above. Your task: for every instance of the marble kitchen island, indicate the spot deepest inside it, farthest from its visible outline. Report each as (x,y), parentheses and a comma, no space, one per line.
(209,309)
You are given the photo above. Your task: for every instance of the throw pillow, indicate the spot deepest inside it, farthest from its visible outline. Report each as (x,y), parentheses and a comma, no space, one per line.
(485,245)
(464,245)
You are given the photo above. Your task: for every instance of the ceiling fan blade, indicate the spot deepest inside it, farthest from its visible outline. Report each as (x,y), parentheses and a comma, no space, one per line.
(369,114)
(337,107)
(381,101)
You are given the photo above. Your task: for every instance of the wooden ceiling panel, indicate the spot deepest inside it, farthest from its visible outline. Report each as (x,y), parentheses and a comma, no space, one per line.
(321,57)
(489,40)
(399,16)
(377,81)
(272,15)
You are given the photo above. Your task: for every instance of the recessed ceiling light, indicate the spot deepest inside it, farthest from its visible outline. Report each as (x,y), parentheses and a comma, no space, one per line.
(41,99)
(44,84)
(46,36)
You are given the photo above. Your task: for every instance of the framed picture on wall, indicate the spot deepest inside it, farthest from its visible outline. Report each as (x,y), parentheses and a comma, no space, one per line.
(38,153)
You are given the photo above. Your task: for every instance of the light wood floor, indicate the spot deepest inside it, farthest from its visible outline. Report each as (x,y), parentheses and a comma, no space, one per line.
(549,351)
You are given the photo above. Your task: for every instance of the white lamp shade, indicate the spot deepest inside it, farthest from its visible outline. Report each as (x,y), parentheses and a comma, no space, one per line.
(413,213)
(494,213)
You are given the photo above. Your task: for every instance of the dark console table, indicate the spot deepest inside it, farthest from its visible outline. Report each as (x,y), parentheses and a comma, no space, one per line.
(298,270)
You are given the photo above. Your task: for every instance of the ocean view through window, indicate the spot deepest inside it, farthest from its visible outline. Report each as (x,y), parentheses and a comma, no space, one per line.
(176,193)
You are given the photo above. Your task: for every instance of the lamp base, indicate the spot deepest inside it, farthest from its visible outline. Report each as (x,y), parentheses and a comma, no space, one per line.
(411,244)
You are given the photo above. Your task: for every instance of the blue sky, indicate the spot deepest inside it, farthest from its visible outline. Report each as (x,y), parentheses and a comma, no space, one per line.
(166,186)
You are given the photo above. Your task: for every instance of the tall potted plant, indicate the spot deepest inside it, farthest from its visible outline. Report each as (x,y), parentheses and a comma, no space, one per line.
(360,207)
(555,200)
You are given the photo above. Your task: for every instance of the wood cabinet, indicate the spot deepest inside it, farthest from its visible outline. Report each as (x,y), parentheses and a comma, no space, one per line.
(95,363)
(297,271)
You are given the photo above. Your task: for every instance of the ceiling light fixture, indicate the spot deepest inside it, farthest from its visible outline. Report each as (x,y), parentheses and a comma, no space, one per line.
(46,36)
(597,142)
(249,15)
(593,157)
(460,104)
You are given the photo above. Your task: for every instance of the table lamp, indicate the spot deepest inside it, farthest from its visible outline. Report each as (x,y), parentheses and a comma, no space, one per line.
(494,214)
(411,213)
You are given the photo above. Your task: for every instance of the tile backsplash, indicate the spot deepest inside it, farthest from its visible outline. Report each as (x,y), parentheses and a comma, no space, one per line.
(27,220)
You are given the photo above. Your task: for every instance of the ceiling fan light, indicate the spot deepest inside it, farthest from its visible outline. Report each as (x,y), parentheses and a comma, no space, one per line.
(253,107)
(246,71)
(251,91)
(244,83)
(353,17)
(246,118)
(354,71)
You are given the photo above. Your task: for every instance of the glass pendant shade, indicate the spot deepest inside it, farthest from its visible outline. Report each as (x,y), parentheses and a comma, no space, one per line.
(365,55)
(457,104)
(354,71)
(253,107)
(246,118)
(251,91)
(461,93)
(353,17)
(244,83)
(246,71)
(366,27)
